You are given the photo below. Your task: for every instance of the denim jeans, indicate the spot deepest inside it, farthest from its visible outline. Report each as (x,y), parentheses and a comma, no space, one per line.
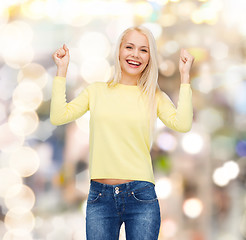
(135,203)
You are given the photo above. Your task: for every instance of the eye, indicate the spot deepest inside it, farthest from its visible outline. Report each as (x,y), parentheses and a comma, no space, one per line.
(144,50)
(129,47)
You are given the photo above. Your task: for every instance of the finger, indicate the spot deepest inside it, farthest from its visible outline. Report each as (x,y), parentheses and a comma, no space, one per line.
(62,52)
(58,51)
(183,58)
(65,47)
(183,54)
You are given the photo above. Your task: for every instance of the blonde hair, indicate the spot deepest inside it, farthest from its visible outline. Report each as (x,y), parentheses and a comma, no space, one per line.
(148,81)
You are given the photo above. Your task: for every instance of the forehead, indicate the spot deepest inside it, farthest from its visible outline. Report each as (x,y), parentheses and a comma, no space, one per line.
(136,38)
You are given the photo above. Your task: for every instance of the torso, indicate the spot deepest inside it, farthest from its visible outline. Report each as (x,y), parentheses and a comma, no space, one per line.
(112,181)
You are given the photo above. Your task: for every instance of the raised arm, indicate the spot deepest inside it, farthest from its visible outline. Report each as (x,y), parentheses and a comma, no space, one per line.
(62,112)
(180,118)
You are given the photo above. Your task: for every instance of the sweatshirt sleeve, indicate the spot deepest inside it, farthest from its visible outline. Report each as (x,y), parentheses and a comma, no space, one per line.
(180,118)
(62,112)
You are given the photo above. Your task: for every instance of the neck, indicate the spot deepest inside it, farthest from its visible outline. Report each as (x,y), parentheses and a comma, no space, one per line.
(129,80)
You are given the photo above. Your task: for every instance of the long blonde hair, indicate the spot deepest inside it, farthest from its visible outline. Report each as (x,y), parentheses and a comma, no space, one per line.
(148,81)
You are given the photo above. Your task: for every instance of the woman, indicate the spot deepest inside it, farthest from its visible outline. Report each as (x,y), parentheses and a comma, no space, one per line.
(122,119)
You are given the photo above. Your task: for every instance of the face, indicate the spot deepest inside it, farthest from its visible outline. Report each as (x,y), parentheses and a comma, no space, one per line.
(134,54)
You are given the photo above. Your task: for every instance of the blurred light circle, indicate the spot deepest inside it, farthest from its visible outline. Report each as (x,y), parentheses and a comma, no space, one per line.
(9,178)
(166,141)
(232,169)
(167,68)
(15,35)
(25,160)
(169,227)
(184,9)
(196,17)
(143,9)
(220,177)
(163,188)
(96,68)
(155,29)
(7,82)
(34,9)
(19,221)
(81,20)
(192,143)
(18,59)
(20,198)
(192,207)
(204,14)
(168,19)
(73,11)
(239,100)
(193,39)
(3,113)
(15,43)
(33,72)
(94,44)
(8,140)
(27,96)
(23,123)
(211,119)
(219,50)
(4,16)
(17,235)
(169,48)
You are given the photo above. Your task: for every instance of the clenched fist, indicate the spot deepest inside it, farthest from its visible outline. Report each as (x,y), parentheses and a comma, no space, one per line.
(185,62)
(61,57)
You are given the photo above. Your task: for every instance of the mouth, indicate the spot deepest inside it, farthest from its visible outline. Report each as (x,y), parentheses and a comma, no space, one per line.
(134,64)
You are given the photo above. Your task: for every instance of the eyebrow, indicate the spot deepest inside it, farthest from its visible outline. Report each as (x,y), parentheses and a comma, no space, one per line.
(133,44)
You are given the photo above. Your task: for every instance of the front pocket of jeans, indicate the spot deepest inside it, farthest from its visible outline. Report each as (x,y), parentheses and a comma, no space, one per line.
(145,195)
(93,196)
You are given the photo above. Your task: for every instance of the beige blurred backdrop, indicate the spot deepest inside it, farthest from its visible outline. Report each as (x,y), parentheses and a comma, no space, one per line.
(200,175)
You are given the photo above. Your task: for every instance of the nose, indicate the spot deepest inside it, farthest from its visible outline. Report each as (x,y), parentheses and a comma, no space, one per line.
(135,53)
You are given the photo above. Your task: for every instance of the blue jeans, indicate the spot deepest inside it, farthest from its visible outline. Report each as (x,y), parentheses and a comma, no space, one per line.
(134,203)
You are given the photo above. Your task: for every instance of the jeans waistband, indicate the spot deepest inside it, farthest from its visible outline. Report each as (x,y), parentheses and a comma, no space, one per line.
(124,187)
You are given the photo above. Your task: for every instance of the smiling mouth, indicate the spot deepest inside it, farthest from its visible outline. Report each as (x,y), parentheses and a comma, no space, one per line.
(133,63)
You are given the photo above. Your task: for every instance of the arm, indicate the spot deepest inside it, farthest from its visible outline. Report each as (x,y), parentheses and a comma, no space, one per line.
(62,112)
(180,118)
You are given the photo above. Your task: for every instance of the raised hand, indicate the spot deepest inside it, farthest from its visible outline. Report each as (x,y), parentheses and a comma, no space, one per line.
(61,58)
(185,62)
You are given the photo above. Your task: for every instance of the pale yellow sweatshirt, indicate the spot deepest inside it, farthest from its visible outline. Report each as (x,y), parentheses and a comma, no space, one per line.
(119,129)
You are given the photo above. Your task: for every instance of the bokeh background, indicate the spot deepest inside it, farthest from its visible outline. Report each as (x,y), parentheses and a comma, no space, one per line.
(200,175)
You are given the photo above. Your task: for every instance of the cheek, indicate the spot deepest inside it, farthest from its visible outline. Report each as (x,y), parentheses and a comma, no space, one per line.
(146,59)
(122,53)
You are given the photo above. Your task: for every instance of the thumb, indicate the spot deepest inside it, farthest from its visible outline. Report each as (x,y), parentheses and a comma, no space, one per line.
(65,47)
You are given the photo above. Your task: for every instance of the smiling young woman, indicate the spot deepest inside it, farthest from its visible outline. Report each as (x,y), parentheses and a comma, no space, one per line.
(122,121)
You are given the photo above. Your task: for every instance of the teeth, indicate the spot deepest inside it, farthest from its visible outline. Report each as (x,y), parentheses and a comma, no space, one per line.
(135,63)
